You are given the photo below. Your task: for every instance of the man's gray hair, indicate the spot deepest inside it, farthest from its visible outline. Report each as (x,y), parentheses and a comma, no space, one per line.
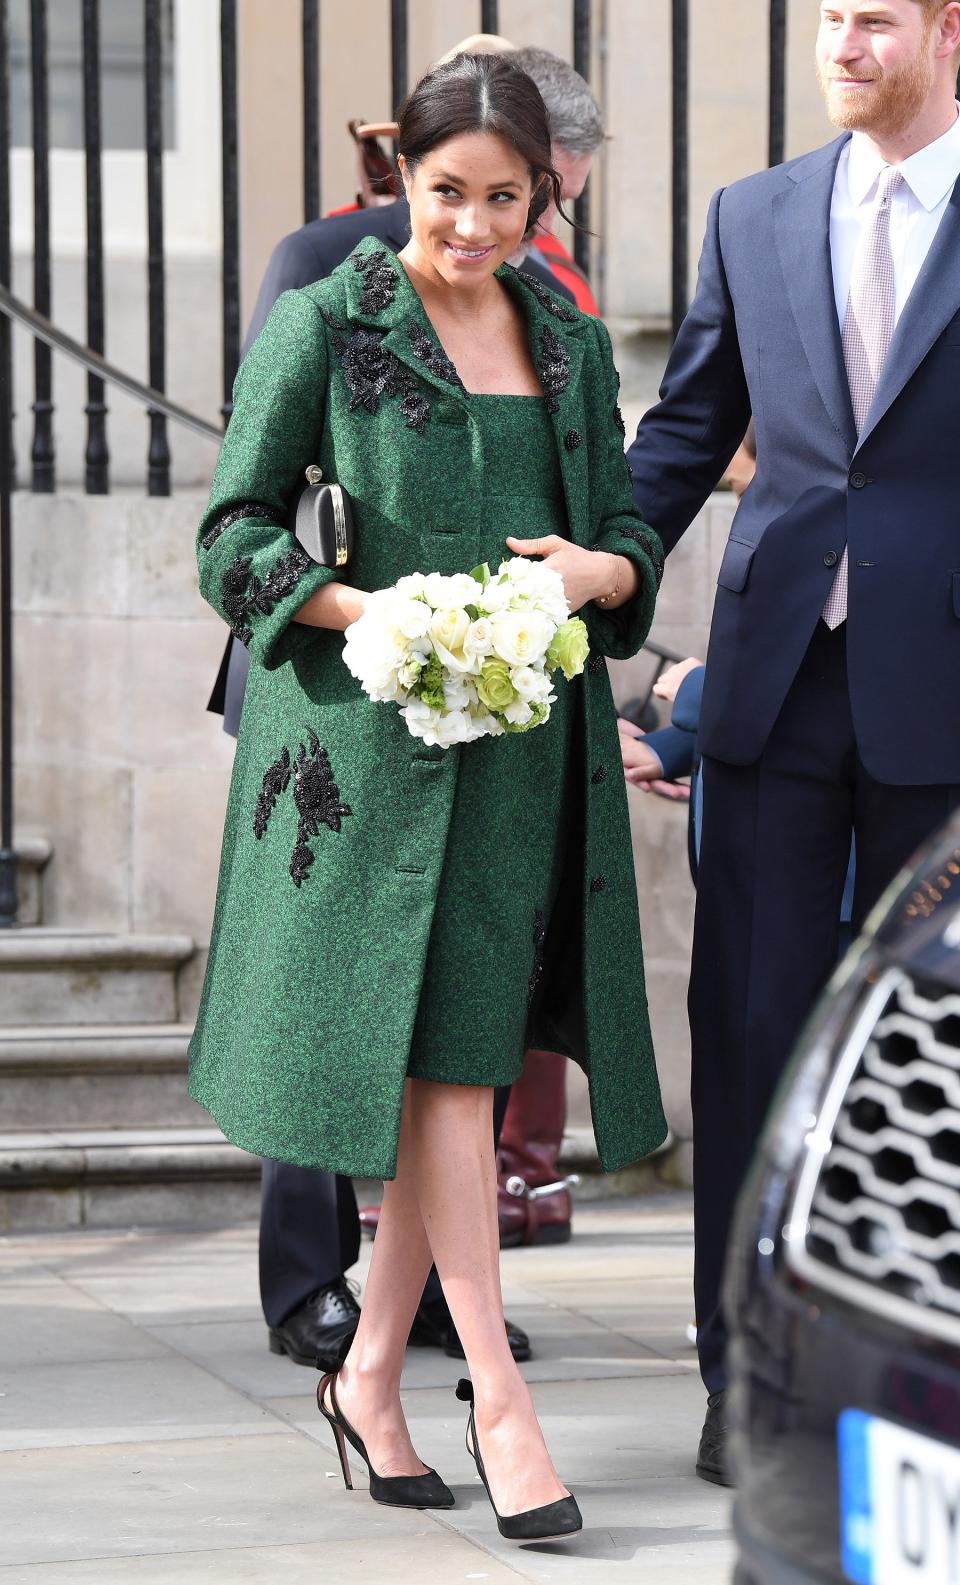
(574,115)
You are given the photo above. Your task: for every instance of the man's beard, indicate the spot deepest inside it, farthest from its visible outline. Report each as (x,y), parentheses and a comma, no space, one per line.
(890,104)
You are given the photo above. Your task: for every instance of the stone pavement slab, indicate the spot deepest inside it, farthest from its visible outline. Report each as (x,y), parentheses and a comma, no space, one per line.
(147,1436)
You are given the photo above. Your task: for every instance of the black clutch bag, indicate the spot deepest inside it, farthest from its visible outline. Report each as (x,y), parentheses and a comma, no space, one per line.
(322,521)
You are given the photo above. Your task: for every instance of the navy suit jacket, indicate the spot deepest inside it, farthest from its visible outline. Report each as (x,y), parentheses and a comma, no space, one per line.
(762,336)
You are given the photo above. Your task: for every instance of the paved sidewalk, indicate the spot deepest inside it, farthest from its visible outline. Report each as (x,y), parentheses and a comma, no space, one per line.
(147,1437)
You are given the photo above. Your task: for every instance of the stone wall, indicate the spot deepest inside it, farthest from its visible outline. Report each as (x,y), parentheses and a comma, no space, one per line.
(121,766)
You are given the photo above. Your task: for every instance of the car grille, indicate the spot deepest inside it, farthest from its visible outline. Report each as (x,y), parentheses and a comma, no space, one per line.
(877,1212)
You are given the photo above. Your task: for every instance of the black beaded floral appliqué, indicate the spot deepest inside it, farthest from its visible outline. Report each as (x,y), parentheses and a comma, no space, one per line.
(554,367)
(371,371)
(433,356)
(235,515)
(618,419)
(547,300)
(315,794)
(646,543)
(539,945)
(242,593)
(379,280)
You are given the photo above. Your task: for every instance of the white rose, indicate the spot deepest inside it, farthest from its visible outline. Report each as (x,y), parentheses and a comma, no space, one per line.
(464,590)
(412,587)
(528,682)
(487,725)
(495,597)
(448,629)
(518,713)
(479,639)
(409,673)
(411,617)
(531,581)
(459,691)
(521,637)
(459,589)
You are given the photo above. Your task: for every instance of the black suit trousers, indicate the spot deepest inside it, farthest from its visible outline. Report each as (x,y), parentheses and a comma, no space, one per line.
(773,860)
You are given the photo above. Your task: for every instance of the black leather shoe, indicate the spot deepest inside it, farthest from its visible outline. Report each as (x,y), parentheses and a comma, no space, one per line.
(712,1463)
(433,1328)
(320,1330)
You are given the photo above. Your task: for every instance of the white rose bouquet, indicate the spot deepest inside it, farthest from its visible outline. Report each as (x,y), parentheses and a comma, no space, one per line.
(468,656)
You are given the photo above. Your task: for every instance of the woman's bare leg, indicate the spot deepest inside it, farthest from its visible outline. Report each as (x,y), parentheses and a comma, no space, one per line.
(368,1386)
(452,1137)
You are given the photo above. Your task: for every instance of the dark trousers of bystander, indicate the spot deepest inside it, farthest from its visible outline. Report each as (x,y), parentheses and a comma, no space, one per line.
(773,860)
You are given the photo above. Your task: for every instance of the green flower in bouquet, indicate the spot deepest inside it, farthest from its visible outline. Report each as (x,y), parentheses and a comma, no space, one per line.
(569,648)
(431,683)
(494,688)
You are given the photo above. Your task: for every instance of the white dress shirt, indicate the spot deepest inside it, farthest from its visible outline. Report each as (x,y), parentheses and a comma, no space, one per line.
(917,208)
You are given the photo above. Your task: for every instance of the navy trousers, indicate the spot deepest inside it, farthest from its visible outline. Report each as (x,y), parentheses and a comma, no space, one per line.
(773,861)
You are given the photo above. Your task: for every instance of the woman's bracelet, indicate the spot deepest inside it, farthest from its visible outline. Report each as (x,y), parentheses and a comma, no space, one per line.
(604,599)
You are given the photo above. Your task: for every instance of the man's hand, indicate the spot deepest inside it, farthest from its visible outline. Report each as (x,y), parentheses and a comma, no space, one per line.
(641,767)
(667,685)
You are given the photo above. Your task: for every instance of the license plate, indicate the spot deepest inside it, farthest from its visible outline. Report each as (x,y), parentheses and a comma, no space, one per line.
(899,1504)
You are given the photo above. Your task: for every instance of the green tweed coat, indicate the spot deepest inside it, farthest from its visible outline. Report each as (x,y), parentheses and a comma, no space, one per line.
(337,817)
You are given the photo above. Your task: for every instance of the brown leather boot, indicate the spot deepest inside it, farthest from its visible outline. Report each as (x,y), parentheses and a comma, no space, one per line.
(533,1204)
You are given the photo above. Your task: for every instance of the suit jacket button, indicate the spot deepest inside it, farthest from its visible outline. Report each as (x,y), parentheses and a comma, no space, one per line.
(831,559)
(572,439)
(858,480)
(599,883)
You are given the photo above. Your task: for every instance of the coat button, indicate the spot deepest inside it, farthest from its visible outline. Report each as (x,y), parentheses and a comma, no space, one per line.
(599,776)
(599,883)
(572,439)
(858,480)
(830,559)
(595,665)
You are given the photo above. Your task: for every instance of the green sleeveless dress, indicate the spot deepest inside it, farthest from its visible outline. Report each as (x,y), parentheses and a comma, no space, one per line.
(502,870)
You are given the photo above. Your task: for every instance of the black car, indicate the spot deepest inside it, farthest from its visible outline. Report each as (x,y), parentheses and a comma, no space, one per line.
(844,1278)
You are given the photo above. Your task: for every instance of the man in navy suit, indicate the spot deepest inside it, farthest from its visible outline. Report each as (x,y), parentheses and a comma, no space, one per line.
(828,304)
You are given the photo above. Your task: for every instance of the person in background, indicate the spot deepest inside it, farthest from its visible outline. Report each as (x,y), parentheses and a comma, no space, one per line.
(310,1226)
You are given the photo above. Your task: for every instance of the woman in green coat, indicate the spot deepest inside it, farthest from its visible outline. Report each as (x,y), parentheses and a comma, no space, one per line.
(395,923)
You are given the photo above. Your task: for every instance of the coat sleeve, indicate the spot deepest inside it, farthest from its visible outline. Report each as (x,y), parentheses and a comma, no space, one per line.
(252,571)
(674,749)
(684,444)
(620,528)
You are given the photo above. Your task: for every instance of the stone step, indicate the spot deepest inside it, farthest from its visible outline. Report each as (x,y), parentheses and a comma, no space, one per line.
(52,977)
(62,1178)
(33,855)
(96,1076)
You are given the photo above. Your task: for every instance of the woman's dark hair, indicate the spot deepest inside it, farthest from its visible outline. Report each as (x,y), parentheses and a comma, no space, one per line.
(482,93)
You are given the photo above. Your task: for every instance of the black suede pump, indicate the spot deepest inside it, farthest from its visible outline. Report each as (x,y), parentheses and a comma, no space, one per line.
(395,1491)
(549,1523)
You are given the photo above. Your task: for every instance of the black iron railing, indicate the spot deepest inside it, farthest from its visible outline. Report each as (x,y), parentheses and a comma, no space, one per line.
(158,407)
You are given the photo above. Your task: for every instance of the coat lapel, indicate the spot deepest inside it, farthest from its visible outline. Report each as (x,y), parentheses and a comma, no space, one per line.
(934,301)
(381,299)
(802,224)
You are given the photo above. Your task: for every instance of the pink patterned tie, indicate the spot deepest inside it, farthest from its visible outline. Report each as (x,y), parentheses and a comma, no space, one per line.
(868,327)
